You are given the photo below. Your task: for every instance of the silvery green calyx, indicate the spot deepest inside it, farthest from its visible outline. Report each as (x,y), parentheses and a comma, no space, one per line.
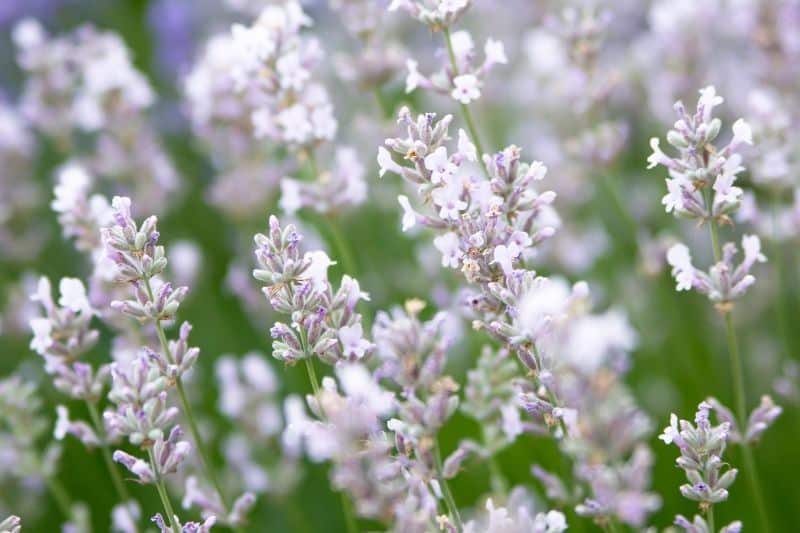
(134,248)
(702,445)
(11,524)
(324,323)
(490,397)
(437,14)
(181,356)
(139,258)
(139,392)
(168,454)
(760,419)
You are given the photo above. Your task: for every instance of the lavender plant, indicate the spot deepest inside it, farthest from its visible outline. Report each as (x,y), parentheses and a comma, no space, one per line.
(456,373)
(701,187)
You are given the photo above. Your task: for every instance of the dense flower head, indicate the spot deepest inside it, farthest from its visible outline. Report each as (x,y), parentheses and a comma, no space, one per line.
(701,445)
(83,85)
(276,62)
(324,323)
(701,166)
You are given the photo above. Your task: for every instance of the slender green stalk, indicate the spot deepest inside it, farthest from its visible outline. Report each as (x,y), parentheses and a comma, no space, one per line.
(341,246)
(452,508)
(162,493)
(751,473)
(60,495)
(312,377)
(737,376)
(116,478)
(349,519)
(347,509)
(342,249)
(465,111)
(187,413)
(710,519)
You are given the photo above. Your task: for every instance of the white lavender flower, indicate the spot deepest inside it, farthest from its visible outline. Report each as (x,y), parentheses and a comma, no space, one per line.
(11,524)
(464,81)
(324,324)
(516,519)
(83,86)
(701,182)
(63,335)
(437,14)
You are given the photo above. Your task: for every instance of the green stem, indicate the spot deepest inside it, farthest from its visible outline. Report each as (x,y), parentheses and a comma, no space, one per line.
(349,518)
(341,246)
(611,187)
(187,413)
(116,479)
(162,493)
(452,508)
(739,393)
(312,377)
(751,473)
(465,111)
(339,243)
(60,495)
(710,519)
(347,510)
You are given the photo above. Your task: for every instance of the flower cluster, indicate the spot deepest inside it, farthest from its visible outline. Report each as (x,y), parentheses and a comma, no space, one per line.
(437,14)
(84,83)
(220,116)
(324,324)
(464,77)
(702,445)
(510,519)
(701,187)
(139,258)
(725,281)
(490,225)
(63,335)
(277,63)
(702,167)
